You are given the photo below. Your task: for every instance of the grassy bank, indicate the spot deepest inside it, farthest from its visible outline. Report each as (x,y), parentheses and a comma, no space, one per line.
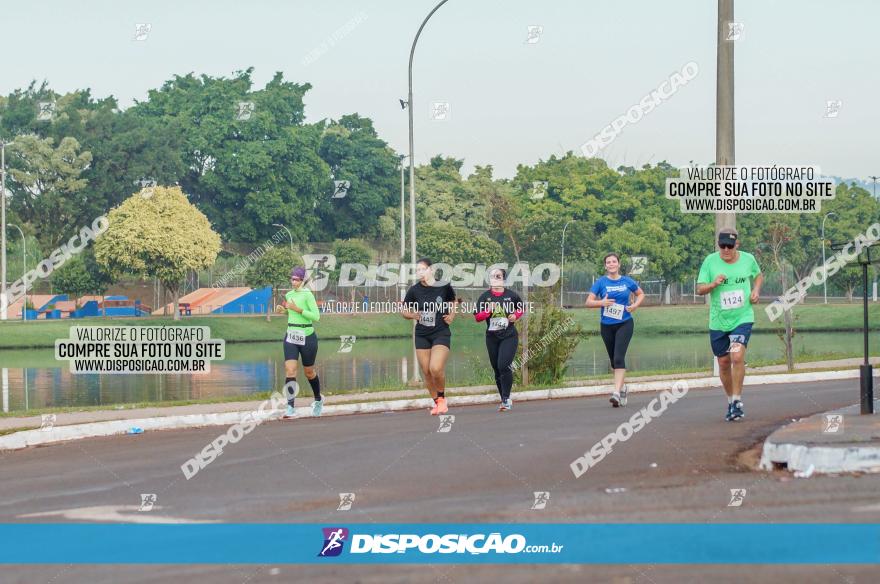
(660,320)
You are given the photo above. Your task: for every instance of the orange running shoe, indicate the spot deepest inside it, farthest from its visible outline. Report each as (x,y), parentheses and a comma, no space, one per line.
(435,410)
(442,408)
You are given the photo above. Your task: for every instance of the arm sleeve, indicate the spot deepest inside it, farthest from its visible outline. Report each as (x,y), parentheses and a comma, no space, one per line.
(705,277)
(311,311)
(481,315)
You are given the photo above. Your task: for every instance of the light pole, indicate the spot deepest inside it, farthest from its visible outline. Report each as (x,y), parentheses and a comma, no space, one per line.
(402,210)
(3,296)
(562,270)
(23,265)
(412,168)
(825,279)
(725,129)
(288,233)
(412,171)
(874,178)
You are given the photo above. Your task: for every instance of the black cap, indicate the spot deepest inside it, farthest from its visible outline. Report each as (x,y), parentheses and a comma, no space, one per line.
(727,237)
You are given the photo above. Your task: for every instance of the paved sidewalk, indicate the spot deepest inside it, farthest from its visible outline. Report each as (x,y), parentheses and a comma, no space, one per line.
(837,441)
(113,413)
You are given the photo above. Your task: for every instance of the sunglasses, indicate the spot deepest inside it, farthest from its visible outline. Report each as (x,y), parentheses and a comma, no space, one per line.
(726,246)
(296,279)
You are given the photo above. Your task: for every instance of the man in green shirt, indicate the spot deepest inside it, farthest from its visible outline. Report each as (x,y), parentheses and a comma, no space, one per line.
(733,279)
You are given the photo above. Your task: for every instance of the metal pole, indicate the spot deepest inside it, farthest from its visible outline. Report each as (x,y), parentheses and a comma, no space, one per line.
(23,265)
(402,214)
(412,168)
(866,374)
(3,297)
(562,269)
(289,236)
(874,178)
(725,143)
(825,280)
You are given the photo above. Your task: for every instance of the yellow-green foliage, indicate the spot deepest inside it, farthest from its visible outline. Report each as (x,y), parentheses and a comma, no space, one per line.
(158,233)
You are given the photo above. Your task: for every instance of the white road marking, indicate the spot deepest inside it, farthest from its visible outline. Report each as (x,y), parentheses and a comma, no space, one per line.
(114,513)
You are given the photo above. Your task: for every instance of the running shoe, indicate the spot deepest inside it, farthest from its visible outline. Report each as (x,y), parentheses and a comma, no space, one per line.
(317,407)
(510,403)
(737,411)
(290,412)
(615,400)
(729,416)
(503,406)
(442,408)
(436,409)
(623,392)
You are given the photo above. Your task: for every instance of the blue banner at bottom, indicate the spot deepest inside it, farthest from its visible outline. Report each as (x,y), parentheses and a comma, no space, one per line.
(431,543)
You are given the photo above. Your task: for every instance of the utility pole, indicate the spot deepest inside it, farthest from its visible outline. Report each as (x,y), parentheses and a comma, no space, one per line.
(725,143)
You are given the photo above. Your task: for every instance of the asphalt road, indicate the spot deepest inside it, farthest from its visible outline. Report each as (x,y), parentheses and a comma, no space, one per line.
(680,468)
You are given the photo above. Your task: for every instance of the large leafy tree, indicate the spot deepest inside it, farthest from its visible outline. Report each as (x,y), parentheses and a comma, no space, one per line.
(161,235)
(355,153)
(246,168)
(47,187)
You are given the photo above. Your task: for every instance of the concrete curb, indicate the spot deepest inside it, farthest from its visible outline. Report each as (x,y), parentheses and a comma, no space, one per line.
(804,449)
(824,459)
(26,438)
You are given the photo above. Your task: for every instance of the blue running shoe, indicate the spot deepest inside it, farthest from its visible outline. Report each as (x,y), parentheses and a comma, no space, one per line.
(729,416)
(317,407)
(290,412)
(738,411)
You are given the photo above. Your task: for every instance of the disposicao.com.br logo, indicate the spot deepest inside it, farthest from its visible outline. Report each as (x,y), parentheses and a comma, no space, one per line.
(430,543)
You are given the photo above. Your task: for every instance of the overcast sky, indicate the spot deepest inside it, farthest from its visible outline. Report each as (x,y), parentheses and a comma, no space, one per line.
(510,101)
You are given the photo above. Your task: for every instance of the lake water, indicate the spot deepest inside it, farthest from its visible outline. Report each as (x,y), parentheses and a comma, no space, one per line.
(33,379)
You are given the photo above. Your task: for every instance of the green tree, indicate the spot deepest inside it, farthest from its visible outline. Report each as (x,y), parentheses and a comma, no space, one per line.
(354,152)
(80,275)
(558,336)
(47,187)
(272,269)
(349,252)
(160,236)
(246,169)
(449,244)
